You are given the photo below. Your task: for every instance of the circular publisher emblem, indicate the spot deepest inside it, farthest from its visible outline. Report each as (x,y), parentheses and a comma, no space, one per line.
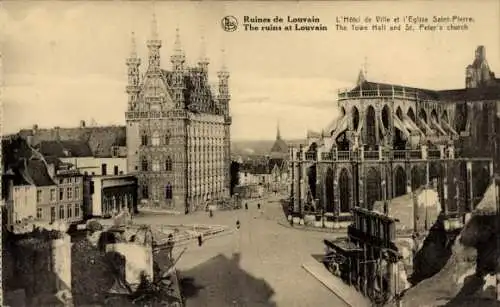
(229,23)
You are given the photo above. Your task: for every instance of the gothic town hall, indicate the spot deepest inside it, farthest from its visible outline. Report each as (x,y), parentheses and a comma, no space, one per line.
(178,129)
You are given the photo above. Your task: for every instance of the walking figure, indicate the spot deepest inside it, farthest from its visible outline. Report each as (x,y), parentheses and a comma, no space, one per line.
(200,240)
(238,224)
(211,213)
(258,206)
(170,245)
(246,206)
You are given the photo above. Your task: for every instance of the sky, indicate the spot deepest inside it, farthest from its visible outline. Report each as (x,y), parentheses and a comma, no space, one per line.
(65,61)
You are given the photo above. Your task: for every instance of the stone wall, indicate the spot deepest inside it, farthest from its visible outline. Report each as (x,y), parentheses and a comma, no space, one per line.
(40,265)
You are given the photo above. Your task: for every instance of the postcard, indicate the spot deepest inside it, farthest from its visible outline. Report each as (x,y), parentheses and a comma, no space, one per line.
(246,153)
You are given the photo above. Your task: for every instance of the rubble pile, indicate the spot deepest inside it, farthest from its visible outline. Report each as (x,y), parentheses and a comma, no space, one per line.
(92,275)
(466,276)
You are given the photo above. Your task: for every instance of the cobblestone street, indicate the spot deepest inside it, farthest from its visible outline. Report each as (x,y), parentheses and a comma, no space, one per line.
(257,265)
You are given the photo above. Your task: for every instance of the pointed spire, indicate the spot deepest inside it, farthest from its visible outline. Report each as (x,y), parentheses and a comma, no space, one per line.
(365,67)
(278,132)
(178,58)
(203,52)
(361,77)
(133,46)
(154,28)
(223,60)
(177,43)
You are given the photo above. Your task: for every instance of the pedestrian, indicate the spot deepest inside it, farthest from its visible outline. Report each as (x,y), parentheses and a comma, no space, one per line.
(246,206)
(211,213)
(238,224)
(170,245)
(258,206)
(200,240)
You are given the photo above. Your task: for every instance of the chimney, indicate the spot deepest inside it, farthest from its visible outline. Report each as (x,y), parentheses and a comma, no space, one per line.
(82,124)
(34,130)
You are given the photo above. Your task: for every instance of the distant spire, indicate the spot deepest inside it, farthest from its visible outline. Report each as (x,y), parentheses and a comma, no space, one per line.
(278,132)
(178,58)
(223,60)
(361,77)
(154,28)
(133,46)
(365,67)
(203,61)
(177,43)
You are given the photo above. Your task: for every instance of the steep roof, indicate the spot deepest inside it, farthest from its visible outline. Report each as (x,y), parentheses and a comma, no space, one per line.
(38,172)
(70,148)
(198,95)
(100,139)
(453,95)
(13,150)
(279,146)
(32,172)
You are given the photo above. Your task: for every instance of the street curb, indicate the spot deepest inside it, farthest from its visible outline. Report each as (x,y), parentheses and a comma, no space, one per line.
(167,212)
(337,286)
(315,229)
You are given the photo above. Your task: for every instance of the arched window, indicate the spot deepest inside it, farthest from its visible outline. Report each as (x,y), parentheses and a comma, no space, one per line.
(399,113)
(168,191)
(144,165)
(329,190)
(156,166)
(61,212)
(411,114)
(155,139)
(422,115)
(355,118)
(168,164)
(144,140)
(145,192)
(434,116)
(399,182)
(344,191)
(386,117)
(166,139)
(371,132)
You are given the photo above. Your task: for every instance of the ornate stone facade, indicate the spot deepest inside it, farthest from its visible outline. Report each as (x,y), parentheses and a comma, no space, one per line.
(391,140)
(178,130)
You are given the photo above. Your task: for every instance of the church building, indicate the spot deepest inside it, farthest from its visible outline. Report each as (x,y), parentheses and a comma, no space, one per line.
(178,129)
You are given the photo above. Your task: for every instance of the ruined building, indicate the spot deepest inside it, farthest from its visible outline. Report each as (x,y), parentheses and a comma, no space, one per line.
(400,164)
(178,129)
(391,139)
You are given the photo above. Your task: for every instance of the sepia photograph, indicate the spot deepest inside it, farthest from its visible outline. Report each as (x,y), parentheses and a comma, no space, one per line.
(250,153)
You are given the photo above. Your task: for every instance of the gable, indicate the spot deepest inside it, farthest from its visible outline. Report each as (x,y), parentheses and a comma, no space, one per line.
(156,87)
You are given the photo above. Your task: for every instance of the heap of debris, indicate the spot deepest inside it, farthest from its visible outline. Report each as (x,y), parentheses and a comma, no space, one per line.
(159,289)
(466,274)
